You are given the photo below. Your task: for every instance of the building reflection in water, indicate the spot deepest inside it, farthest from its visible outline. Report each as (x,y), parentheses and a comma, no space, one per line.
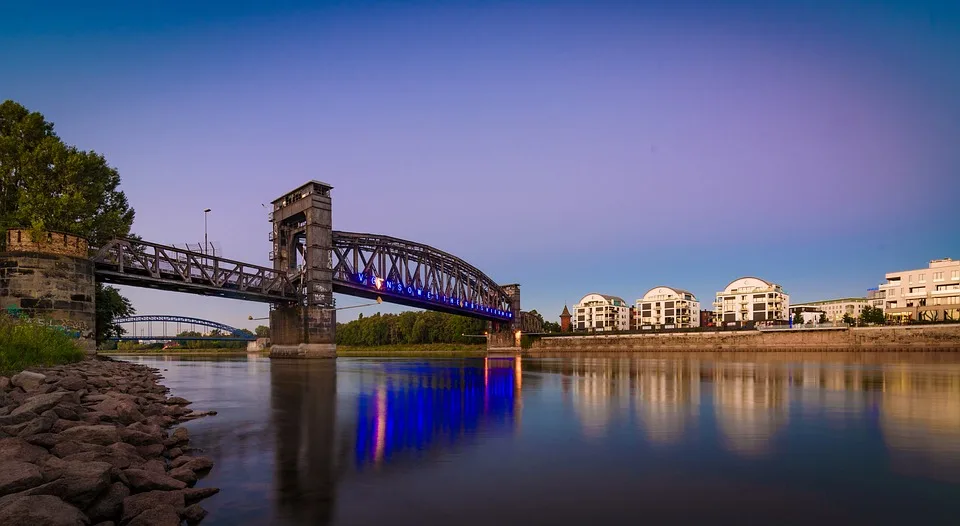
(750,401)
(920,419)
(405,409)
(303,407)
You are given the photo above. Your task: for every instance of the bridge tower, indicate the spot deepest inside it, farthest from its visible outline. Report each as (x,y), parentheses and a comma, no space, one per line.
(302,243)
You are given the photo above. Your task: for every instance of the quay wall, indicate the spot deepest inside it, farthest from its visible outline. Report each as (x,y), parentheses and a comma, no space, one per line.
(942,337)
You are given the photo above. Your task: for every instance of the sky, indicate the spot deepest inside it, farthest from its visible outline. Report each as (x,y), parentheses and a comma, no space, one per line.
(571,147)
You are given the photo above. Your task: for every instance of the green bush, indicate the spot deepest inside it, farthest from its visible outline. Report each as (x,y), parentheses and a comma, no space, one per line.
(25,345)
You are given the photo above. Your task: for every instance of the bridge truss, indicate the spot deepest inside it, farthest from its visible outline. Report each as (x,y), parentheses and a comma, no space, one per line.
(414,274)
(178,325)
(140,263)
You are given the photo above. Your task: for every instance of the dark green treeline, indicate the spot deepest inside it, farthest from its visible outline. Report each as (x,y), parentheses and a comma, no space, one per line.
(410,328)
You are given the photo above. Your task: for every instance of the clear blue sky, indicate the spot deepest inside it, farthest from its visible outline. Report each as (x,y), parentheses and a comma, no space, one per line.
(567,146)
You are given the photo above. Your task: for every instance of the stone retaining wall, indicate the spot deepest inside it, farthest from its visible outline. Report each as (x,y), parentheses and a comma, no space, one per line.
(866,338)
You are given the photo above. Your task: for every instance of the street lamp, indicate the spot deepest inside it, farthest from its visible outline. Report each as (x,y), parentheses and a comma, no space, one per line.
(205,212)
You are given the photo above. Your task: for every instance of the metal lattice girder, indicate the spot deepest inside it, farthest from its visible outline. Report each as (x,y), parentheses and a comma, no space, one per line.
(414,274)
(166,318)
(140,263)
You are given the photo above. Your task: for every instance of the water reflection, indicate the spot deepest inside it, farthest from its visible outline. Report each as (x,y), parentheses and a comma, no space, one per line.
(606,439)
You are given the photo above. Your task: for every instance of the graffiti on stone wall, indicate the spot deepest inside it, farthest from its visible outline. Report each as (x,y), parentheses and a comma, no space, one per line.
(72,328)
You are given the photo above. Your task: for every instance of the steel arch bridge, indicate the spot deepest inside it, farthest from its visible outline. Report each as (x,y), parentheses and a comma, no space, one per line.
(416,275)
(230,333)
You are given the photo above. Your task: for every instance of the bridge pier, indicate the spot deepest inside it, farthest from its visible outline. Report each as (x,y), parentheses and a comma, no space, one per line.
(51,281)
(302,248)
(506,337)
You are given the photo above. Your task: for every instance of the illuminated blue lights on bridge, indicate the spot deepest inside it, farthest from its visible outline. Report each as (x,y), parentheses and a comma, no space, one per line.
(398,288)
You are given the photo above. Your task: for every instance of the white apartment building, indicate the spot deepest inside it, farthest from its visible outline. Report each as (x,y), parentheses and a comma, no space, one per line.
(668,308)
(751,299)
(600,312)
(834,309)
(929,294)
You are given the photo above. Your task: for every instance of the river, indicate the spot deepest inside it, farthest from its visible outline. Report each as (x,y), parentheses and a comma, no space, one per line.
(621,439)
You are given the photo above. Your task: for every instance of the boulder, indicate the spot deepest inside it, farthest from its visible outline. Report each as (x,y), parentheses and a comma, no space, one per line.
(72,383)
(65,448)
(155,465)
(38,425)
(83,481)
(122,409)
(153,450)
(28,380)
(62,425)
(184,474)
(196,463)
(41,510)
(143,480)
(17,476)
(193,514)
(66,413)
(19,418)
(176,400)
(101,434)
(192,495)
(139,438)
(39,403)
(20,449)
(136,504)
(4,384)
(44,440)
(162,516)
(109,504)
(173,453)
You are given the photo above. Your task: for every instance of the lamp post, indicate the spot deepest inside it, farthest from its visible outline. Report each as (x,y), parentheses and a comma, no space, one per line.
(205,212)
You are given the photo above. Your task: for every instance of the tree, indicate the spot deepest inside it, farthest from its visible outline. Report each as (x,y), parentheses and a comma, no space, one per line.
(551,326)
(110,305)
(872,315)
(262,331)
(823,317)
(798,318)
(848,319)
(47,185)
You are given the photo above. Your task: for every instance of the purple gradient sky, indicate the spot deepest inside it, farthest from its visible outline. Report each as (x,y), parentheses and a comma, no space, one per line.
(568,146)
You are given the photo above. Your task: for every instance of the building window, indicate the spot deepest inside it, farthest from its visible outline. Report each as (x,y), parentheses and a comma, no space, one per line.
(923,278)
(955,274)
(938,276)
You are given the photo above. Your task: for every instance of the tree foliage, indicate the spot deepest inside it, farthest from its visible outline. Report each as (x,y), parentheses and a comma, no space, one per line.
(871,315)
(46,184)
(798,318)
(410,328)
(110,305)
(262,331)
(823,317)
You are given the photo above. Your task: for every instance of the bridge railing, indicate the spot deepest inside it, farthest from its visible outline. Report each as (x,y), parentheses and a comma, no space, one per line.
(133,261)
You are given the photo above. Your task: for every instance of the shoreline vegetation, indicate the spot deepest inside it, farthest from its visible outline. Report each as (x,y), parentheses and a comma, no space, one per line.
(443,350)
(25,345)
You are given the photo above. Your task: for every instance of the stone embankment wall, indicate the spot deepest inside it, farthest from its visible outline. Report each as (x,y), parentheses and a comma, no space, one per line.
(53,280)
(87,444)
(867,338)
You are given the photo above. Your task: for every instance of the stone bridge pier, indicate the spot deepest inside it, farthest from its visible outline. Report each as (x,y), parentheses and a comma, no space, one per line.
(302,239)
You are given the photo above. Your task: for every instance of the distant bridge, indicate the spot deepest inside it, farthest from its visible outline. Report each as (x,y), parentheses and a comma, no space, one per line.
(179,324)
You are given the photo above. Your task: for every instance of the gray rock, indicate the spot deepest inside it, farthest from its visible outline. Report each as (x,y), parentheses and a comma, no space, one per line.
(109,504)
(193,514)
(124,410)
(72,383)
(66,413)
(191,495)
(143,480)
(184,474)
(176,400)
(173,452)
(17,476)
(38,425)
(100,434)
(39,403)
(51,468)
(62,425)
(197,463)
(179,436)
(136,504)
(162,516)
(66,448)
(41,510)
(44,440)
(4,383)
(139,438)
(19,418)
(20,449)
(155,465)
(153,450)
(84,481)
(28,380)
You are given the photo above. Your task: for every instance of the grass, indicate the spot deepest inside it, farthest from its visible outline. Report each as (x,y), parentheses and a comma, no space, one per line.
(24,345)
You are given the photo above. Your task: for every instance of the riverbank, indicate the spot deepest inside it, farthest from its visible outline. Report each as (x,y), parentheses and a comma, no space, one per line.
(436,350)
(153,352)
(87,443)
(944,337)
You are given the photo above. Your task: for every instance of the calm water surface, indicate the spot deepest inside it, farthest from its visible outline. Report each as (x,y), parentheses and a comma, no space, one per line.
(628,439)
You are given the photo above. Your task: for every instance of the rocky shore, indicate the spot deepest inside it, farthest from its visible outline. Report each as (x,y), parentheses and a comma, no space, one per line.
(88,443)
